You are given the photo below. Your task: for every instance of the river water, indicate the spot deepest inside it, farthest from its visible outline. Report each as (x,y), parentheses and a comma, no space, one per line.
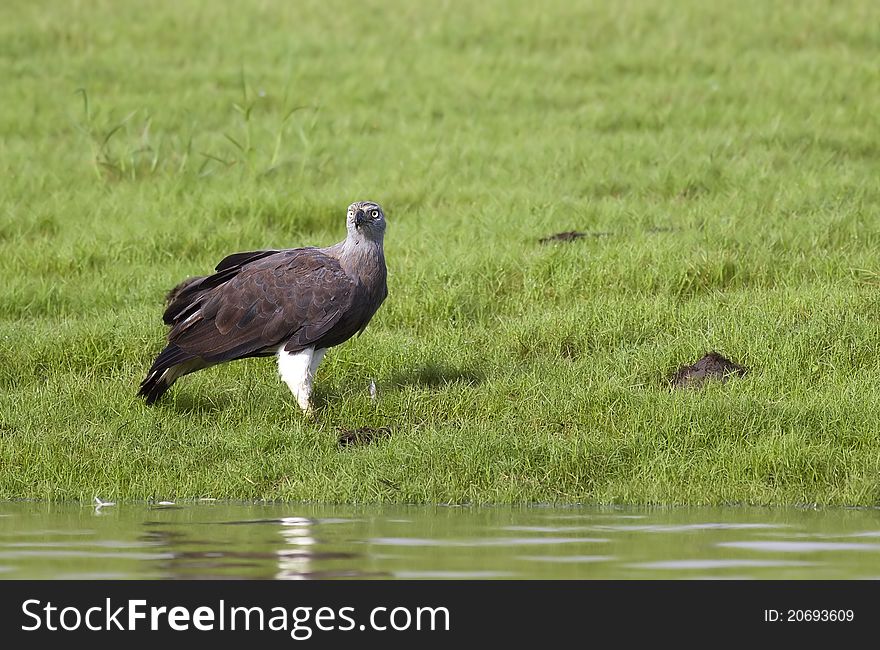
(305,541)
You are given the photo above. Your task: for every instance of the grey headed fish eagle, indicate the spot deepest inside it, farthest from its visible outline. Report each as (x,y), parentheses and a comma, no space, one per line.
(293,303)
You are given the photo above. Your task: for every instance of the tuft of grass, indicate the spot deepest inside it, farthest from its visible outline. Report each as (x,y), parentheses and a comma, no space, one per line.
(721,161)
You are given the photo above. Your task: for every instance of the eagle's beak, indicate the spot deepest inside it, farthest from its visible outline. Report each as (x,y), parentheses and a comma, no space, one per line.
(360,218)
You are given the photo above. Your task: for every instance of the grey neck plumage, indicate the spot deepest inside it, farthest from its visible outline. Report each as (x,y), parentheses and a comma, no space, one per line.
(360,257)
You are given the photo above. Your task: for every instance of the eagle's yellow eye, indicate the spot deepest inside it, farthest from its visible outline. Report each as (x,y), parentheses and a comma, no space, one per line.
(375,214)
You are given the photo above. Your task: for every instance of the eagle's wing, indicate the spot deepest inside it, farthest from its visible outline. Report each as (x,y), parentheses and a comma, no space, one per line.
(187,293)
(254,304)
(240,259)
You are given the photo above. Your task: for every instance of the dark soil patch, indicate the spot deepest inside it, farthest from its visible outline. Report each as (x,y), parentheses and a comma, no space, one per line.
(362,435)
(711,366)
(571,235)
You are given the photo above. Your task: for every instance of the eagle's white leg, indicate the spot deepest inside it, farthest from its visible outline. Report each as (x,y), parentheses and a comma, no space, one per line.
(317,357)
(297,369)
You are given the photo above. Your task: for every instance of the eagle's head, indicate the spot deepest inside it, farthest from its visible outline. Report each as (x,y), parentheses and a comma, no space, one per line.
(366,219)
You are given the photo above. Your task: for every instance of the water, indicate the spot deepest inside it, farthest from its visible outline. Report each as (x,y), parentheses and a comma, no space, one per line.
(295,541)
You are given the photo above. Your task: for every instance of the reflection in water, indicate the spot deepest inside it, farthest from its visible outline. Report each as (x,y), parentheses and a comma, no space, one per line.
(293,557)
(269,541)
(271,548)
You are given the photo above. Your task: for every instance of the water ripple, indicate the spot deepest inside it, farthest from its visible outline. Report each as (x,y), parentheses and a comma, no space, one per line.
(458,575)
(567,559)
(497,541)
(678,528)
(107,543)
(284,541)
(86,554)
(546,529)
(801,547)
(718,564)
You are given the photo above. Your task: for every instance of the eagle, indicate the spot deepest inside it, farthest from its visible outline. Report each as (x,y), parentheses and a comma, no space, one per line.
(293,303)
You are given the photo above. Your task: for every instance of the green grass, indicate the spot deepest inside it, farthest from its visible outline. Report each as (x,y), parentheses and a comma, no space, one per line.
(726,159)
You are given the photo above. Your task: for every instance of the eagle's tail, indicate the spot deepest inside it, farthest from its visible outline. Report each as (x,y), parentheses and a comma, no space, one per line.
(171,364)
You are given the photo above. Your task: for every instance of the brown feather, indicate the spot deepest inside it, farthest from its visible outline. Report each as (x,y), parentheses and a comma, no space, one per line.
(295,296)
